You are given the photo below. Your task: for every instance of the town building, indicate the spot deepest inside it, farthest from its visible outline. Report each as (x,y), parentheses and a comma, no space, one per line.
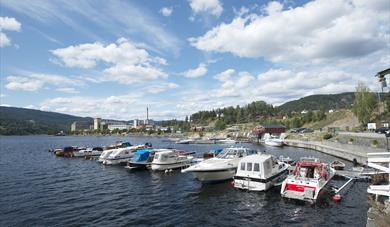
(80,126)
(97,123)
(119,127)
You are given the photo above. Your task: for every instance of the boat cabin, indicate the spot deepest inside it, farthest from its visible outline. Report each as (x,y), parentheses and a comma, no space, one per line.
(262,166)
(310,168)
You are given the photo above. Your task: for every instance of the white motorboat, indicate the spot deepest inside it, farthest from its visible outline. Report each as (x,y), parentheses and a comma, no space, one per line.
(259,172)
(221,167)
(185,141)
(104,155)
(226,141)
(167,159)
(307,180)
(122,155)
(82,153)
(111,148)
(272,140)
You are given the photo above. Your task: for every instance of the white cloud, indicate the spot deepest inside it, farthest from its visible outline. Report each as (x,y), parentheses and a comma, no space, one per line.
(4,40)
(317,30)
(7,24)
(200,71)
(161,87)
(117,107)
(35,82)
(69,90)
(130,64)
(166,11)
(213,7)
(273,7)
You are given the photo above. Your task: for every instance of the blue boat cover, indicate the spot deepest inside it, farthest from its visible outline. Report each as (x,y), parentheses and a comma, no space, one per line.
(216,150)
(141,155)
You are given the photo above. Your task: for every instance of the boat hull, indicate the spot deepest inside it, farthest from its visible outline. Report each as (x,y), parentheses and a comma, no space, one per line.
(117,161)
(257,184)
(273,143)
(214,175)
(168,166)
(138,165)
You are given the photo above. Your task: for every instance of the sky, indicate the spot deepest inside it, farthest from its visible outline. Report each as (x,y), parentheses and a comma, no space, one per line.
(112,59)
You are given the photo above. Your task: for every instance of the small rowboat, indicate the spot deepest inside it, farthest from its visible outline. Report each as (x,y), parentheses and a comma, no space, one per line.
(337,165)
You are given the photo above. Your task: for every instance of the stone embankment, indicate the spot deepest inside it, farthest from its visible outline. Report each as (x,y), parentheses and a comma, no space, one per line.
(344,151)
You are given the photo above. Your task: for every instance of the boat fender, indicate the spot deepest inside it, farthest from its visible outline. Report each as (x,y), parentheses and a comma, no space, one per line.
(337,198)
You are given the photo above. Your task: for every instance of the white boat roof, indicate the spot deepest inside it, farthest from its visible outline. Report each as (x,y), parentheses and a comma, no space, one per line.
(256,158)
(163,151)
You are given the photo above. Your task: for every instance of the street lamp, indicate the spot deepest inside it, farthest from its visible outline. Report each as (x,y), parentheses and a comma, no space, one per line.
(387,134)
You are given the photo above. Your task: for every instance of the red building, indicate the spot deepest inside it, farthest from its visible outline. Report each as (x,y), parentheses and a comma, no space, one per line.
(262,129)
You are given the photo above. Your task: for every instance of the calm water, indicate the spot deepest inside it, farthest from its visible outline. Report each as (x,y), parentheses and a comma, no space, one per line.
(39,189)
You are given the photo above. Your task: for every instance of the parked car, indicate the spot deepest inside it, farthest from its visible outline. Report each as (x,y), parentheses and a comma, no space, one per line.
(297,130)
(307,130)
(382,130)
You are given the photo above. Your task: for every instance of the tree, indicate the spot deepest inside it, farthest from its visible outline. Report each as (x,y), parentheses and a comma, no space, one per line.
(220,124)
(365,103)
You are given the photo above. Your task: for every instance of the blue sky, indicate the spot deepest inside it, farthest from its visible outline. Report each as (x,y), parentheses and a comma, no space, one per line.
(111,59)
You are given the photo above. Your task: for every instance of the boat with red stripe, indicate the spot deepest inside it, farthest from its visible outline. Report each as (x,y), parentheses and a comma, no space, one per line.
(307,180)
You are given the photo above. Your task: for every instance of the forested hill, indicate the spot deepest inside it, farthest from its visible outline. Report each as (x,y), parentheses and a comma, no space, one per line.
(317,102)
(21,121)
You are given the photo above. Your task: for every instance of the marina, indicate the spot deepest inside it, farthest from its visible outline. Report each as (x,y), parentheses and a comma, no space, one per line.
(65,182)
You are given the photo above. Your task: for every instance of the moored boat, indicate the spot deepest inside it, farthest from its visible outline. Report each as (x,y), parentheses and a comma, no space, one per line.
(141,159)
(307,180)
(337,165)
(67,152)
(122,155)
(185,141)
(112,148)
(226,141)
(167,159)
(259,172)
(274,141)
(222,167)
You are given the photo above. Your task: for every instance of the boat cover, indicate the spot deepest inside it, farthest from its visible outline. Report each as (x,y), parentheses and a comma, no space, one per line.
(141,155)
(216,150)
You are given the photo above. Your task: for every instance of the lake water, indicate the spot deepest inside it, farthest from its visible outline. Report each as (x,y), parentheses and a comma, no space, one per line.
(39,189)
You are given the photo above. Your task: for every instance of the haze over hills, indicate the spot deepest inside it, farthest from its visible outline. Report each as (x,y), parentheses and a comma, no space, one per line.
(21,121)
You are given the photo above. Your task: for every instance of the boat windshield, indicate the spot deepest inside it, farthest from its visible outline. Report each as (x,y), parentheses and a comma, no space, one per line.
(231,153)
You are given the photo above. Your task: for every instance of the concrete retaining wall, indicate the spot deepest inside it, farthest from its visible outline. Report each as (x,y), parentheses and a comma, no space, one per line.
(345,153)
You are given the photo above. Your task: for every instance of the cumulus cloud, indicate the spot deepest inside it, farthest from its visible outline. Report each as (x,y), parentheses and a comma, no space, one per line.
(7,24)
(315,31)
(129,63)
(213,7)
(200,71)
(275,86)
(166,11)
(35,82)
(154,89)
(69,90)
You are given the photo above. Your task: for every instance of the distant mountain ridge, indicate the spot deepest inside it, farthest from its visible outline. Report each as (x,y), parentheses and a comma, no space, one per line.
(21,121)
(316,102)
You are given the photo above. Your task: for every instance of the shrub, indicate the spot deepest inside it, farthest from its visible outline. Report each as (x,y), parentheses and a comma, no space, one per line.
(350,140)
(327,136)
(375,142)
